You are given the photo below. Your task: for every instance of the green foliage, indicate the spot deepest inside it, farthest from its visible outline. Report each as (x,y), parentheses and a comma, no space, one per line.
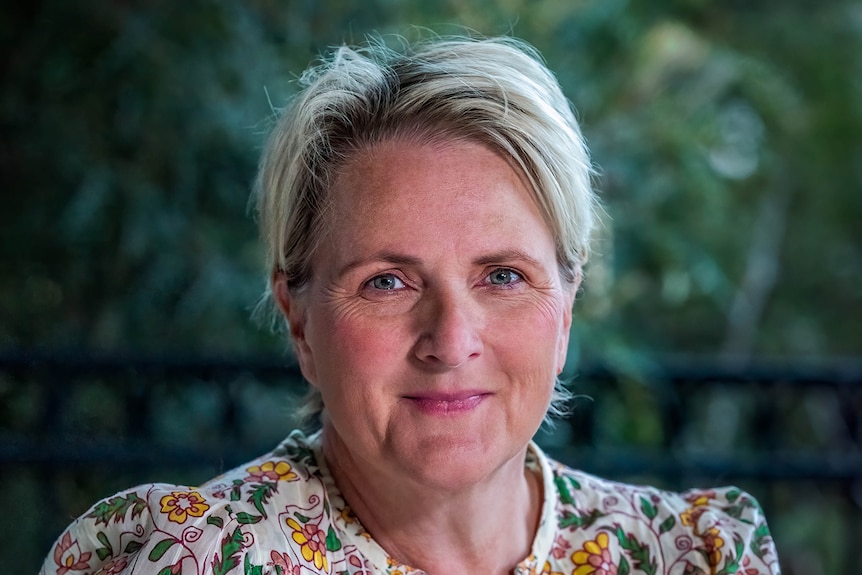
(727,146)
(116,508)
(639,552)
(231,546)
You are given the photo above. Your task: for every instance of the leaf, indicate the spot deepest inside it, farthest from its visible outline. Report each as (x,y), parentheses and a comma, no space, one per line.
(132,547)
(107,550)
(214,520)
(623,569)
(565,496)
(249,569)
(731,565)
(161,548)
(333,543)
(236,490)
(733,495)
(230,546)
(261,494)
(637,551)
(648,508)
(244,518)
(116,507)
(667,524)
(302,518)
(166,571)
(758,541)
(570,519)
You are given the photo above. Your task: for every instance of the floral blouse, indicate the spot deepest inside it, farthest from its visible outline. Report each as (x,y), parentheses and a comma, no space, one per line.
(282,514)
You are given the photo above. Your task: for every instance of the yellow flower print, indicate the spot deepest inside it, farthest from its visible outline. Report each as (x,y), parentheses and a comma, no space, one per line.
(312,543)
(270,470)
(712,544)
(179,505)
(594,558)
(546,570)
(690,516)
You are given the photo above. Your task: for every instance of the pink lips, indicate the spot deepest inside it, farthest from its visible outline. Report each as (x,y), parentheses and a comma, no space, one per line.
(447,403)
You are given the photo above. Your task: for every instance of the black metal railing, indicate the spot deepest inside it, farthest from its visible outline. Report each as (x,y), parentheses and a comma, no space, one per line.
(75,427)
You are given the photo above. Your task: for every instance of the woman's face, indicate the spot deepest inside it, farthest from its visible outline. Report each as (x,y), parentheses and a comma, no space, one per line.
(436,318)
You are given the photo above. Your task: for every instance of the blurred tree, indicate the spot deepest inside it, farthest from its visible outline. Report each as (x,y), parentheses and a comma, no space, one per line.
(728,145)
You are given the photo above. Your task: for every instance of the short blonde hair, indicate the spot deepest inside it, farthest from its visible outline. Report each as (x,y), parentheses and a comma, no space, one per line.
(495,91)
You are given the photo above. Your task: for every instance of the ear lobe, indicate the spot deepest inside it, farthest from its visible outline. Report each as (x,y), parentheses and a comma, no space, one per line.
(293,309)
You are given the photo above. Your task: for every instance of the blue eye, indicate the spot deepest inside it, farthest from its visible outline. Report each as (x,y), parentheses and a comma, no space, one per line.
(503,276)
(386,282)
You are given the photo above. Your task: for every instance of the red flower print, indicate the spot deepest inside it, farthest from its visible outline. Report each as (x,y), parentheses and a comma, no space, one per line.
(67,559)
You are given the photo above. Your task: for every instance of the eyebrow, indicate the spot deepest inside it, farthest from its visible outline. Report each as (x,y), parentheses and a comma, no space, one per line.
(503,256)
(498,257)
(388,257)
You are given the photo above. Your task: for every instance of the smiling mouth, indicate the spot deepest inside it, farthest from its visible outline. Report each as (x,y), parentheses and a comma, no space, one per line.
(446,404)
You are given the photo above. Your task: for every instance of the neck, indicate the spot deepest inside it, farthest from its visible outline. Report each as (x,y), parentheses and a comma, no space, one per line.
(483,528)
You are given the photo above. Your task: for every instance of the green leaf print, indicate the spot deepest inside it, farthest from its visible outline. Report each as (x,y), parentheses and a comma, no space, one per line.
(107,550)
(570,519)
(333,543)
(637,551)
(761,534)
(244,518)
(249,569)
(161,548)
(132,547)
(261,494)
(116,508)
(648,508)
(236,490)
(166,571)
(733,495)
(565,496)
(217,521)
(302,518)
(667,525)
(231,545)
(623,569)
(563,489)
(731,565)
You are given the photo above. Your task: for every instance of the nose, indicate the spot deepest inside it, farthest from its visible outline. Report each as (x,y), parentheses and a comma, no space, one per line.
(450,332)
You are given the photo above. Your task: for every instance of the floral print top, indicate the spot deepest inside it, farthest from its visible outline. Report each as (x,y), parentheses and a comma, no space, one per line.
(281,514)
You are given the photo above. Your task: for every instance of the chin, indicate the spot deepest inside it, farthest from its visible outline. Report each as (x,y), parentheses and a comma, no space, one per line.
(458,461)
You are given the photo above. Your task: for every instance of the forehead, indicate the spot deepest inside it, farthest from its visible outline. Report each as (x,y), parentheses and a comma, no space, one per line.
(407,176)
(454,201)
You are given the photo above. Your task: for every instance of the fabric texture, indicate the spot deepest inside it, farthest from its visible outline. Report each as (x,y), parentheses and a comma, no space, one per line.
(282,514)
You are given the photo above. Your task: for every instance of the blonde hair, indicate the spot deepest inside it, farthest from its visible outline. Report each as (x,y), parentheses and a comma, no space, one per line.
(495,91)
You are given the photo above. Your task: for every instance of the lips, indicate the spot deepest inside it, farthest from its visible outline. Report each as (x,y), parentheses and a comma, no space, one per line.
(440,403)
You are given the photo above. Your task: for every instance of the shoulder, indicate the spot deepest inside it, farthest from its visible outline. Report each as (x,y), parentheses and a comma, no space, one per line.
(696,531)
(227,523)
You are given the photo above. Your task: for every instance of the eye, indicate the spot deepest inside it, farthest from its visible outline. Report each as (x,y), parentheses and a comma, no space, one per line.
(503,276)
(386,282)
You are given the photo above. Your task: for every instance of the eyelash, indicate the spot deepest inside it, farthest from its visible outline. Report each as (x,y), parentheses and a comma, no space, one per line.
(395,278)
(515,278)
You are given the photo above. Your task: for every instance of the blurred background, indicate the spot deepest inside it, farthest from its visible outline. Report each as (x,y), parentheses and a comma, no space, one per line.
(717,339)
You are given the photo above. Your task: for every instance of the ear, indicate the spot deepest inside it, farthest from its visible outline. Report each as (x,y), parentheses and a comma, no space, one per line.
(570,290)
(294,308)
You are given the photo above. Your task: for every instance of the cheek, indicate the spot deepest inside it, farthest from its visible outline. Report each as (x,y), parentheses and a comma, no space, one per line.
(539,340)
(352,348)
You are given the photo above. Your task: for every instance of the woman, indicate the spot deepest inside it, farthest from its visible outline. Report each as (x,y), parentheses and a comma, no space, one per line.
(426,216)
